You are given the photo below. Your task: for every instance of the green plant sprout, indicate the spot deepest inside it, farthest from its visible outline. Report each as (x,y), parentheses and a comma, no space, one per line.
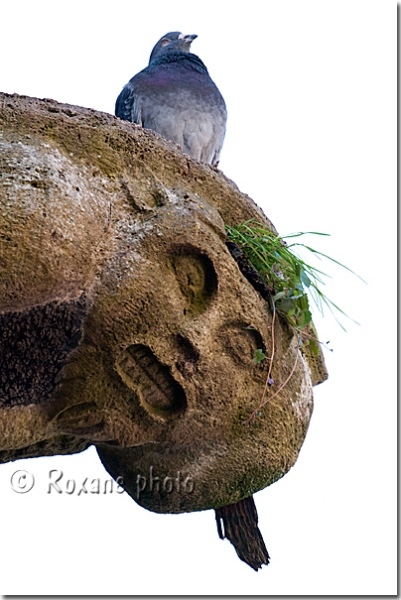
(258,356)
(289,278)
(291,282)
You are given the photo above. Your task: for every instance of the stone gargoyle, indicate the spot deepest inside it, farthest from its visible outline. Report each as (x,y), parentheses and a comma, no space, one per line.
(125,319)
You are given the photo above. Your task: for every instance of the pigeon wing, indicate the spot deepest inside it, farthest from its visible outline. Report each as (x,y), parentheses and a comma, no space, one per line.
(127,107)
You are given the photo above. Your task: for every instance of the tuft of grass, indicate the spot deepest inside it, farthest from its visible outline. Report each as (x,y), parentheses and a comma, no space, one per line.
(291,280)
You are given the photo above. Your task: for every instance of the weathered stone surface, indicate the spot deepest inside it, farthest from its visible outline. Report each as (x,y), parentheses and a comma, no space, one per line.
(123,315)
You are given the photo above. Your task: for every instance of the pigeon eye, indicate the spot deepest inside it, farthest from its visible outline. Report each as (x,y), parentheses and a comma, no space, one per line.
(164,42)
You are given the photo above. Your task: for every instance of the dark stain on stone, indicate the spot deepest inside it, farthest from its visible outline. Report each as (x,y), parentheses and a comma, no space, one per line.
(34,347)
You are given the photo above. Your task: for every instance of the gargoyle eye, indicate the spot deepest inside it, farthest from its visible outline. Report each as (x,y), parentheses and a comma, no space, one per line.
(165,41)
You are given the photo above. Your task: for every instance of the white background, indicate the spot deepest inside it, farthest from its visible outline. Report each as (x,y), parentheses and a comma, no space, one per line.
(310,88)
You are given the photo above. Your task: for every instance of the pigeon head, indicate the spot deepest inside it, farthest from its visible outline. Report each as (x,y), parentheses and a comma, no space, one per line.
(172,42)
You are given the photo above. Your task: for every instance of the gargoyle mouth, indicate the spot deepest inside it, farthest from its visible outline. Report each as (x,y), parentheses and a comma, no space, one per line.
(158,392)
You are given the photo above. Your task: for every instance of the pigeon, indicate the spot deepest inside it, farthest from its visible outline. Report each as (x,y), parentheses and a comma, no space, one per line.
(176,97)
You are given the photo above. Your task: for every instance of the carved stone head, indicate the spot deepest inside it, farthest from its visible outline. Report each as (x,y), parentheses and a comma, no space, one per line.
(128,322)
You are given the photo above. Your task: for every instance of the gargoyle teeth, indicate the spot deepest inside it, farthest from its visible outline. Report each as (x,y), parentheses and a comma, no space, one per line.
(157,390)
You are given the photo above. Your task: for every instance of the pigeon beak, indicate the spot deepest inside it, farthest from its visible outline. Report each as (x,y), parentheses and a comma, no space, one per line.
(188,38)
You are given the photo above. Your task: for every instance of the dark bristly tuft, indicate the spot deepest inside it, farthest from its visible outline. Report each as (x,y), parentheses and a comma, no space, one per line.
(239,524)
